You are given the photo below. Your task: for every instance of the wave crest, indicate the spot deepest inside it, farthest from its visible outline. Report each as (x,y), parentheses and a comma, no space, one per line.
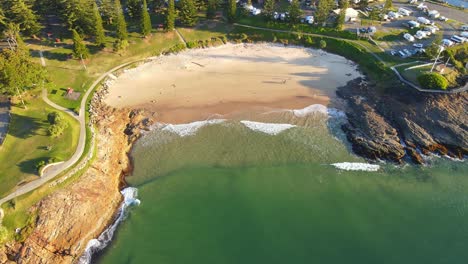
(318,108)
(189,129)
(267,128)
(130,195)
(356,166)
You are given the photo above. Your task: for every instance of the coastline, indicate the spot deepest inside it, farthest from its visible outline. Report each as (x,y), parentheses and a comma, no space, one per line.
(58,235)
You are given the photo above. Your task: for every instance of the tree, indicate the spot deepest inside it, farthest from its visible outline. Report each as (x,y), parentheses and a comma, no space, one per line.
(57,124)
(388,4)
(188,13)
(18,12)
(433,81)
(342,16)
(341,3)
(76,15)
(108,11)
(134,9)
(269,9)
(145,20)
(323,44)
(211,8)
(295,12)
(18,72)
(79,47)
(121,25)
(170,15)
(363,4)
(323,10)
(231,11)
(99,35)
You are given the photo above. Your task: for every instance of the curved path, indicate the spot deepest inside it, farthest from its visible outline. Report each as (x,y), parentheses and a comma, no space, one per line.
(53,171)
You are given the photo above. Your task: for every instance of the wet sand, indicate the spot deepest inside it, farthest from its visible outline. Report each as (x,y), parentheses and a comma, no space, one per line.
(199,84)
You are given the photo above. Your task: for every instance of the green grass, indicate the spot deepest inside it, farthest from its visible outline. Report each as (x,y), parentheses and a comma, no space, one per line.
(205,30)
(26,142)
(412,74)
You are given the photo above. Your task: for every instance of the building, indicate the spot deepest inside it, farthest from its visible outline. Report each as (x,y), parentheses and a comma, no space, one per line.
(351,14)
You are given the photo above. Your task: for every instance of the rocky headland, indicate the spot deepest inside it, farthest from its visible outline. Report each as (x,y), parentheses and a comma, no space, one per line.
(400,122)
(69,218)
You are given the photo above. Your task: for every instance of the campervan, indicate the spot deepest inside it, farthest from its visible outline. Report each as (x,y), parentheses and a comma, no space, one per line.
(424,21)
(458,39)
(404,12)
(433,14)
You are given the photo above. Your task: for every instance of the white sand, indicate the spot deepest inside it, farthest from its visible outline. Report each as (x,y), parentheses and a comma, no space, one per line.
(197,84)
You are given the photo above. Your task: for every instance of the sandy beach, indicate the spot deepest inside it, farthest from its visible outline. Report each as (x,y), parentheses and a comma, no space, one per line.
(199,84)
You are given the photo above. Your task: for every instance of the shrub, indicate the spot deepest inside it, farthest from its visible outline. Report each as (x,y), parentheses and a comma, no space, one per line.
(323,44)
(433,81)
(309,41)
(57,124)
(176,48)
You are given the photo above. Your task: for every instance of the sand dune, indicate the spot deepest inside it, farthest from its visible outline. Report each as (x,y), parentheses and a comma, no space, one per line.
(198,84)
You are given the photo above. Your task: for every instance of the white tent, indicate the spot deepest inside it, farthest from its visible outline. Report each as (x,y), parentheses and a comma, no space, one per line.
(351,14)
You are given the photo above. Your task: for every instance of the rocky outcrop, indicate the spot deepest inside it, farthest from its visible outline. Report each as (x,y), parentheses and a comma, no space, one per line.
(399,122)
(67,219)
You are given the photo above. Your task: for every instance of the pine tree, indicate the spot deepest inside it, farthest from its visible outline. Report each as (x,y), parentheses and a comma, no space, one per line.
(121,25)
(18,12)
(211,7)
(79,47)
(295,12)
(188,13)
(231,11)
(323,10)
(145,20)
(342,16)
(388,4)
(134,9)
(99,36)
(268,9)
(170,16)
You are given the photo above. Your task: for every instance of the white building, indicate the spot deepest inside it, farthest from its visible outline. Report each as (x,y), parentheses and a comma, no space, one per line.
(351,14)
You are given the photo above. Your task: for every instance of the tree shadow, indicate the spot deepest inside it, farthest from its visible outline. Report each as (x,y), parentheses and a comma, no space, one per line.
(29,166)
(24,126)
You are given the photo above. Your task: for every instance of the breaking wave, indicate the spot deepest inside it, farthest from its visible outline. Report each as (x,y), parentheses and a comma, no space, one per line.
(356,166)
(317,108)
(267,128)
(95,245)
(189,129)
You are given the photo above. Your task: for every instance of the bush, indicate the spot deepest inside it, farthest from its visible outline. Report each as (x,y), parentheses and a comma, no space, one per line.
(57,124)
(176,48)
(323,44)
(433,81)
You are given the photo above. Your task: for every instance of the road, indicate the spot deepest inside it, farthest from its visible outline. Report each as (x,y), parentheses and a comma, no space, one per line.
(55,170)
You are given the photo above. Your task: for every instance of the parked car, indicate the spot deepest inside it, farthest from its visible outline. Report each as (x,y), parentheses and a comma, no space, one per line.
(420,34)
(433,14)
(424,21)
(393,52)
(458,39)
(442,18)
(418,45)
(413,1)
(464,28)
(413,24)
(447,42)
(309,20)
(404,12)
(393,15)
(421,6)
(407,52)
(408,37)
(464,34)
(402,54)
(431,29)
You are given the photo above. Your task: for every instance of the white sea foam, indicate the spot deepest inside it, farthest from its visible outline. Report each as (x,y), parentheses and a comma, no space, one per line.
(356,166)
(190,128)
(317,108)
(95,245)
(268,128)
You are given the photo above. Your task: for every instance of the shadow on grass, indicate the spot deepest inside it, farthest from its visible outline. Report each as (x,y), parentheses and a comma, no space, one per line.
(24,126)
(29,166)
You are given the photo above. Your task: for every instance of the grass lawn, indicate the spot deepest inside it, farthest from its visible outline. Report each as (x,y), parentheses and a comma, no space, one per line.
(205,30)
(67,72)
(27,141)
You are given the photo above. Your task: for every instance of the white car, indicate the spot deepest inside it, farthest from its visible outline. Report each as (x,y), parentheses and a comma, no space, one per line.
(464,34)
(309,20)
(408,37)
(421,33)
(447,42)
(442,18)
(418,45)
(431,29)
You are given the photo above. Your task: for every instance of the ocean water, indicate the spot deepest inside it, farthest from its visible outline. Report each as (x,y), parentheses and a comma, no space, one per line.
(283,187)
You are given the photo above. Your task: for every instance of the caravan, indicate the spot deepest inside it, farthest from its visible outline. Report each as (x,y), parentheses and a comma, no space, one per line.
(424,21)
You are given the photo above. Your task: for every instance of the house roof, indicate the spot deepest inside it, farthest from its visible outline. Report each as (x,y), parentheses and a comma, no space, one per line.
(350,12)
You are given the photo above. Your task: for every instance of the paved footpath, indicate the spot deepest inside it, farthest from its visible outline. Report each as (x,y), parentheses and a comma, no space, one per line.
(55,170)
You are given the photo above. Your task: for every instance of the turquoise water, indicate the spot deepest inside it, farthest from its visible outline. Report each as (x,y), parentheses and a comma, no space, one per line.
(224,193)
